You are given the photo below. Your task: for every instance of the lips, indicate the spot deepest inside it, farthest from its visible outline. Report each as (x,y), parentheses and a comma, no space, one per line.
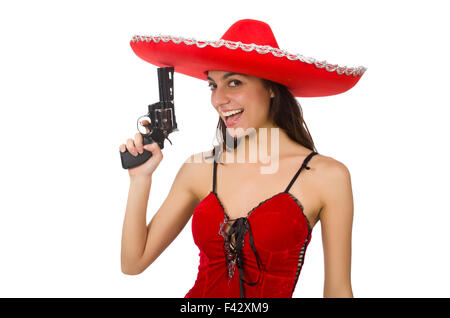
(223,111)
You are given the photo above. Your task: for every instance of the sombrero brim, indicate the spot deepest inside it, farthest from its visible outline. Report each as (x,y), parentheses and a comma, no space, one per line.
(304,76)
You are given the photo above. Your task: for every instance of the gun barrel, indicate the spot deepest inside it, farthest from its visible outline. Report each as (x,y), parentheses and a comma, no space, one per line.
(165,79)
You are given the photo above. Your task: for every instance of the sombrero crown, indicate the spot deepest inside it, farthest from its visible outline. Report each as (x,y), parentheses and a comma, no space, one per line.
(248,47)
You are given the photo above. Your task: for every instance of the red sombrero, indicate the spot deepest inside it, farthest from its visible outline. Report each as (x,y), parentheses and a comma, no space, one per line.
(248,47)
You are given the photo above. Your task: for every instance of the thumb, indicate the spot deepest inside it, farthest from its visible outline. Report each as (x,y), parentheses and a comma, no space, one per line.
(151,147)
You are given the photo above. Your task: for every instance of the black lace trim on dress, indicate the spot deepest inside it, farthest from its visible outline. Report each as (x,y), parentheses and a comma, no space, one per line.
(233,244)
(233,235)
(301,256)
(301,259)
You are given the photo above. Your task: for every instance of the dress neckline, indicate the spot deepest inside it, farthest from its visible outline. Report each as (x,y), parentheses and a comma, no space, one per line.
(303,166)
(293,198)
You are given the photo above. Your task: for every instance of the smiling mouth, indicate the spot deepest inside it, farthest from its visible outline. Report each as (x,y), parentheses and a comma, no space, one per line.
(233,119)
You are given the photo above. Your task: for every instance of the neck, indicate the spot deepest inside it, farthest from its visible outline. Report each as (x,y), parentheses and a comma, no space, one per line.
(262,146)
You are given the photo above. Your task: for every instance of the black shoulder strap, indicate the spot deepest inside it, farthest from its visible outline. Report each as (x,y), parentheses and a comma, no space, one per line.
(214,177)
(216,153)
(305,162)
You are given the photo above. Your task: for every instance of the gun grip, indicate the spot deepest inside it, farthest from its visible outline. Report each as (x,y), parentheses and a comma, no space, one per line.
(130,161)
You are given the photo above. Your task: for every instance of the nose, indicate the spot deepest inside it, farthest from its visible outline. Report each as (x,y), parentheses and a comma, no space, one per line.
(219,97)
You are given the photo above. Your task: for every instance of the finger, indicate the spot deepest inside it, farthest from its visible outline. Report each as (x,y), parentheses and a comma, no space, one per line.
(154,147)
(149,147)
(131,148)
(145,123)
(122,148)
(138,142)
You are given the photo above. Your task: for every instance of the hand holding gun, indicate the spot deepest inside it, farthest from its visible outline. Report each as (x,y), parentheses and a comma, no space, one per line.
(158,123)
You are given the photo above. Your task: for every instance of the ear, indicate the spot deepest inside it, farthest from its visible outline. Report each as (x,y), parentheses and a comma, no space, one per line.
(272,95)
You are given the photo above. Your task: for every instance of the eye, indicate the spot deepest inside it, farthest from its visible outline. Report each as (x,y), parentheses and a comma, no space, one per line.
(236,82)
(211,86)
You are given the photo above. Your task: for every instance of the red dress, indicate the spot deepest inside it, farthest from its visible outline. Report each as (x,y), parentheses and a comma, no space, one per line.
(259,255)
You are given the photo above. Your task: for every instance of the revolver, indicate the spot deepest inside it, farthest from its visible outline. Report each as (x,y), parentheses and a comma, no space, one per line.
(161,118)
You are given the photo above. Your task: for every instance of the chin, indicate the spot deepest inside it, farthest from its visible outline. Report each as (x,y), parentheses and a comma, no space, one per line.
(236,132)
(239,132)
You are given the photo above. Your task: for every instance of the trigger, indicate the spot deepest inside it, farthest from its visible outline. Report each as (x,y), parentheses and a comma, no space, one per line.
(149,129)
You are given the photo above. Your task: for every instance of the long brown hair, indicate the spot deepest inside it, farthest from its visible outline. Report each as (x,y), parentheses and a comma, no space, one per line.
(285,112)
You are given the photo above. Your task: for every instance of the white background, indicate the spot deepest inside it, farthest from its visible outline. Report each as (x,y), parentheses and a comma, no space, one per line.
(71,90)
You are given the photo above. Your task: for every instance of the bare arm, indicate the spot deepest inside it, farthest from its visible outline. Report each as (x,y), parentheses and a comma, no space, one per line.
(142,243)
(336,219)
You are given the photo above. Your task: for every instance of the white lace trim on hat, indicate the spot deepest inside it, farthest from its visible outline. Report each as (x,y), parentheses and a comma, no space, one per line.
(261,49)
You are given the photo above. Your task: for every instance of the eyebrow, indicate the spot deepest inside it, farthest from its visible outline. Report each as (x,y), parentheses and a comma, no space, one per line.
(225,76)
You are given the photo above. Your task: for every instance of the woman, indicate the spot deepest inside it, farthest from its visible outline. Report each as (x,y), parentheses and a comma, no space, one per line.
(252,228)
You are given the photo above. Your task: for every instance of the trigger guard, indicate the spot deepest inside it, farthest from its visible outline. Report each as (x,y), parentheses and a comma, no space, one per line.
(149,127)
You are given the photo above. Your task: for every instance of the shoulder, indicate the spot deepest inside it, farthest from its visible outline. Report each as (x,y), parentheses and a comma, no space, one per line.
(333,180)
(330,169)
(197,170)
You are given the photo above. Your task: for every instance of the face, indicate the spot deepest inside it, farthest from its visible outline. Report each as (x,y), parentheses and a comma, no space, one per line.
(231,92)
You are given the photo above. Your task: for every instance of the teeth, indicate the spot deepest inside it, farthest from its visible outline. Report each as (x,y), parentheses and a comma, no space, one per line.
(226,114)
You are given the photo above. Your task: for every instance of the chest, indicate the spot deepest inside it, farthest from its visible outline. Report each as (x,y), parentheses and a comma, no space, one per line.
(242,189)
